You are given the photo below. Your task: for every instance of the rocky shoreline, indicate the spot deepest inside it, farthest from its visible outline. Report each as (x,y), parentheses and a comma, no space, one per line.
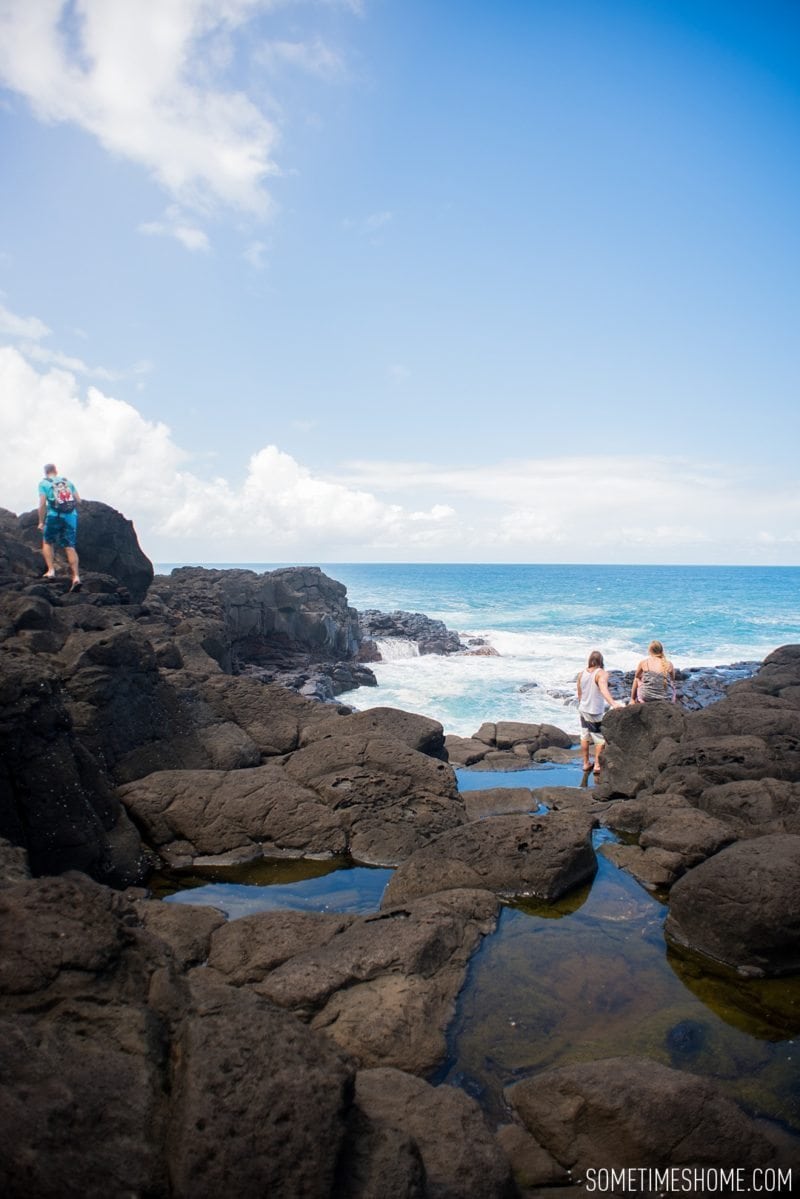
(159,1050)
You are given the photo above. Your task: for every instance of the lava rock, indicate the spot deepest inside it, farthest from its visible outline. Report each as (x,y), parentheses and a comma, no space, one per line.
(742,906)
(543,856)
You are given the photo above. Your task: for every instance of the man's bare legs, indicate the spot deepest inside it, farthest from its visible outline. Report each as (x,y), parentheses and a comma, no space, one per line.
(49,555)
(72,560)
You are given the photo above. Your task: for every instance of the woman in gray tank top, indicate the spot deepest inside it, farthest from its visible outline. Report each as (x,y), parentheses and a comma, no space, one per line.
(654,679)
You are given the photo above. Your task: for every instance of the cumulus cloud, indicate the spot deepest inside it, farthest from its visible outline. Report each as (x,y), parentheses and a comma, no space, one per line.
(140,78)
(637,509)
(115,454)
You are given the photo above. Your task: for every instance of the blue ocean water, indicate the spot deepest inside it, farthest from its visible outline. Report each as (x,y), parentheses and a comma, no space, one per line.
(544,620)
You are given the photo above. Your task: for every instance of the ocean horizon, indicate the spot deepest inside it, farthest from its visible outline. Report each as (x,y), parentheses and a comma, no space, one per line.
(543,620)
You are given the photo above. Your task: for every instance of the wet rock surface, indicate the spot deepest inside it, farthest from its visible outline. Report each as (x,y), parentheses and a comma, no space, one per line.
(632,1111)
(543,856)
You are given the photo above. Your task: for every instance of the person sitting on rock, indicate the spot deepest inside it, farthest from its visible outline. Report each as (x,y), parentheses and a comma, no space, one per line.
(593,699)
(654,678)
(58,522)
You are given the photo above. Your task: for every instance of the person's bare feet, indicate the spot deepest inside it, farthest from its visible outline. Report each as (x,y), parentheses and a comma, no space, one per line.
(76,585)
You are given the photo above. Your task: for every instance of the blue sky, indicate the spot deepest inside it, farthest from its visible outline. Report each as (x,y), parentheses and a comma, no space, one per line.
(393,280)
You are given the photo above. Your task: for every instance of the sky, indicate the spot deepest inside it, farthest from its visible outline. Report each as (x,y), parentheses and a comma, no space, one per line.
(407,280)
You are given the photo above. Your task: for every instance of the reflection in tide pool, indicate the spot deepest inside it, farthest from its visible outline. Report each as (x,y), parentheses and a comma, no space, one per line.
(266,886)
(590,978)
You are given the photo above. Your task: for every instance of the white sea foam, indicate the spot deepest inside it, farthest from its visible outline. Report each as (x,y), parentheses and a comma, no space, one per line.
(395,649)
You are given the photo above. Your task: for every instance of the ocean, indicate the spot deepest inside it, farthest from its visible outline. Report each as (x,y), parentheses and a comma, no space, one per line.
(544,620)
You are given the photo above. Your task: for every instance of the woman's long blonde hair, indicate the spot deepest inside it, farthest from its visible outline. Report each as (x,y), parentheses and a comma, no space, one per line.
(656,650)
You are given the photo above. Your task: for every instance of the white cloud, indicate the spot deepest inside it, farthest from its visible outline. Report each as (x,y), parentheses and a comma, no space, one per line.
(136,77)
(115,454)
(174,225)
(635,509)
(28,331)
(67,362)
(21,326)
(314,56)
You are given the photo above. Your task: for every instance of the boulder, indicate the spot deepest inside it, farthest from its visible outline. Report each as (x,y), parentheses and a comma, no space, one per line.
(245,951)
(464,751)
(542,856)
(692,834)
(390,799)
(107,544)
(531,1164)
(55,799)
(742,906)
(378,1160)
(498,759)
(273,717)
(656,869)
(185,928)
(437,1119)
(277,620)
(633,735)
(633,1112)
(190,814)
(693,765)
(258,1103)
(635,815)
(557,755)
(562,799)
(509,733)
(754,807)
(82,1054)
(119,1076)
(498,801)
(384,987)
(416,732)
(19,562)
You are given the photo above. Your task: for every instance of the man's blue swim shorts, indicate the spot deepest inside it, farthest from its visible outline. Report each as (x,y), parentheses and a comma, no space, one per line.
(61,528)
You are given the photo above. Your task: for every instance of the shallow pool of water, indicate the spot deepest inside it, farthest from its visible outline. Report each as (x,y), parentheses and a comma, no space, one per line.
(546,774)
(590,977)
(587,977)
(335,885)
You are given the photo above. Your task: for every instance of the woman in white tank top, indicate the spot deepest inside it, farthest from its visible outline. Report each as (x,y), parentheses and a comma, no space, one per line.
(593,698)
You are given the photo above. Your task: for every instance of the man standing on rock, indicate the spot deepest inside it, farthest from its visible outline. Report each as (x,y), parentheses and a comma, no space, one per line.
(58,522)
(593,696)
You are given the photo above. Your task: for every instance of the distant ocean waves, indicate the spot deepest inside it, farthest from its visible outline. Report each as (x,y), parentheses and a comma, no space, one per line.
(544,620)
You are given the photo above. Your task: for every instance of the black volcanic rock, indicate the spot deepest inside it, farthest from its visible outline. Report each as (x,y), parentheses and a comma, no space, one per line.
(430,636)
(280,619)
(107,545)
(742,906)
